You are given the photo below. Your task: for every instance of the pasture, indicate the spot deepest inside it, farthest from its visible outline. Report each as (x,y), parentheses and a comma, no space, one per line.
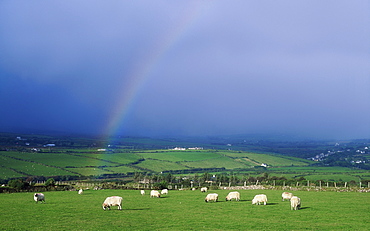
(81,162)
(184,210)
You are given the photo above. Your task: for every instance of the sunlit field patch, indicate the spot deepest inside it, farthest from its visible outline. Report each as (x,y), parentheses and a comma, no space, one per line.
(184,210)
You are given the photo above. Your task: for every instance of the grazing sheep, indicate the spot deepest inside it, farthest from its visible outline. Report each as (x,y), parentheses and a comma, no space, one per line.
(211,197)
(39,197)
(154,193)
(204,189)
(142,192)
(233,195)
(286,195)
(112,201)
(164,191)
(80,191)
(258,199)
(295,203)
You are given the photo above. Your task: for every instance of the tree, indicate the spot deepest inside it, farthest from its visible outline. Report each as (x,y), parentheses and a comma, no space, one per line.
(50,182)
(18,184)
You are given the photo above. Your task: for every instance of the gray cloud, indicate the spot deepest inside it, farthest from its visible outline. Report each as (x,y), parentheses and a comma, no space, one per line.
(217,68)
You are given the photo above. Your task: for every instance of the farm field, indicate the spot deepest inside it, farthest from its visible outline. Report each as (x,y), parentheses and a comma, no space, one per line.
(184,210)
(73,163)
(81,162)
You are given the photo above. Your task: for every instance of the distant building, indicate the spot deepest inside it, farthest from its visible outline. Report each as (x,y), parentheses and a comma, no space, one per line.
(49,145)
(177,148)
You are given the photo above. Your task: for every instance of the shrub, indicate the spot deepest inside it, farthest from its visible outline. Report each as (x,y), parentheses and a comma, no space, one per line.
(50,182)
(18,184)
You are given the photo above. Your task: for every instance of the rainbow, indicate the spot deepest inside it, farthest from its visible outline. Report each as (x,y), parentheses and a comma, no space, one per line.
(140,73)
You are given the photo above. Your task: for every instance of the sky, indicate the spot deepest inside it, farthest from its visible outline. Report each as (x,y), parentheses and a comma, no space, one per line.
(186,68)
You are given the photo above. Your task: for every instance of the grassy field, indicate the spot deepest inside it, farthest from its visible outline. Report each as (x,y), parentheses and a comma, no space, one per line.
(88,162)
(184,210)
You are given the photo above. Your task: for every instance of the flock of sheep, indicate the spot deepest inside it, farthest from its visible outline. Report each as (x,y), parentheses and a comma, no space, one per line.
(295,202)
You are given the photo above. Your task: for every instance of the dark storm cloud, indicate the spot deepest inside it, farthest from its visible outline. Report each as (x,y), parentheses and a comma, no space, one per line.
(235,67)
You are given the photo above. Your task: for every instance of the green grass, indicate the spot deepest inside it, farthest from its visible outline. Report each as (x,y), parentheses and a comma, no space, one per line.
(218,162)
(22,164)
(122,169)
(91,171)
(121,158)
(175,156)
(184,210)
(273,160)
(9,173)
(57,159)
(158,166)
(30,168)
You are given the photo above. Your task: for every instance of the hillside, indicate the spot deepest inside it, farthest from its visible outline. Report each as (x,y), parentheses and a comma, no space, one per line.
(93,163)
(35,156)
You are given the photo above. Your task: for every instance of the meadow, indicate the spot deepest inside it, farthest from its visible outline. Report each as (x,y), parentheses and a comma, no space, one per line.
(184,210)
(85,163)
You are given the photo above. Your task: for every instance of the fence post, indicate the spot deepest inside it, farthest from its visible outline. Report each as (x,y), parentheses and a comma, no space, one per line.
(345,184)
(320,184)
(308,183)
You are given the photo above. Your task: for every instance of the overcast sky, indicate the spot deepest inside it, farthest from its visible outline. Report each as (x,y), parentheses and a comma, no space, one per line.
(186,67)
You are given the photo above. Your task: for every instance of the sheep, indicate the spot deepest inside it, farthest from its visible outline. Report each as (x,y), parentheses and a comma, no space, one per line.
(154,193)
(80,191)
(295,203)
(142,192)
(164,191)
(286,195)
(211,197)
(233,195)
(204,189)
(39,197)
(112,201)
(258,199)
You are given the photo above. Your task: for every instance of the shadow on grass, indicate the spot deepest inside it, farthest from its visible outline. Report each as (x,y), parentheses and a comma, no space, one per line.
(304,208)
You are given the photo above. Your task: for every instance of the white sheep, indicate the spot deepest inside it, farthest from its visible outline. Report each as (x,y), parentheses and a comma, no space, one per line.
(286,195)
(164,191)
(233,195)
(39,197)
(142,192)
(154,193)
(80,191)
(295,203)
(204,189)
(113,201)
(211,197)
(258,199)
